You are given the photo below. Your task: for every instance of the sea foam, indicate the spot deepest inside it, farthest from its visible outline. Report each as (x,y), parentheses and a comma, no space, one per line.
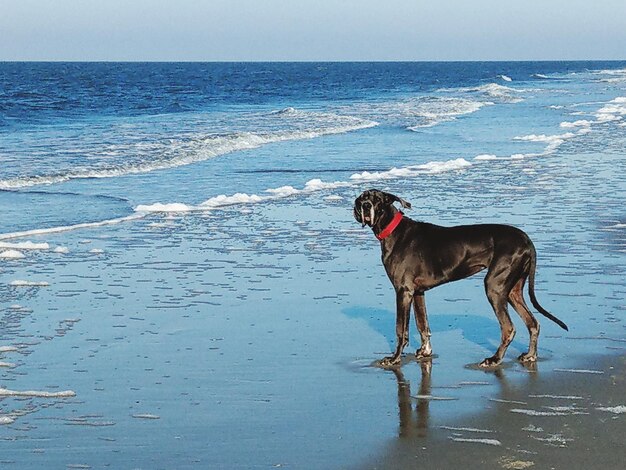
(33,393)
(22,283)
(412,171)
(11,254)
(25,246)
(44,231)
(311,186)
(296,125)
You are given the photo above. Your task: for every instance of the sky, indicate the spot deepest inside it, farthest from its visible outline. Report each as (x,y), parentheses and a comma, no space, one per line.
(311,30)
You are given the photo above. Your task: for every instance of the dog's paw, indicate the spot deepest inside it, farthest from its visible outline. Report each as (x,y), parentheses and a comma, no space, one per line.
(526,357)
(488,362)
(423,353)
(390,361)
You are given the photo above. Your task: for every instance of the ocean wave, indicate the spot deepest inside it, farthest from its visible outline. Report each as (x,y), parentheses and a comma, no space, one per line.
(11,254)
(574,124)
(417,112)
(412,171)
(295,124)
(68,228)
(311,186)
(491,91)
(614,110)
(553,141)
(25,246)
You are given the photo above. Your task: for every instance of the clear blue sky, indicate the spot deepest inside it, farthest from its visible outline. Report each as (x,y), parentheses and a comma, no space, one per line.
(243,30)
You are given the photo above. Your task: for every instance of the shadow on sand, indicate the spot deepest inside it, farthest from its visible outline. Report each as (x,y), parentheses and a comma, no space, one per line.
(474,328)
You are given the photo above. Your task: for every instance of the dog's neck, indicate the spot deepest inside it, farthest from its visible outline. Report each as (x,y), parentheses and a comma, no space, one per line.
(387,223)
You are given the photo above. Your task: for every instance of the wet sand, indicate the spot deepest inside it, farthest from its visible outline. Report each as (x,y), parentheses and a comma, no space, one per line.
(559,418)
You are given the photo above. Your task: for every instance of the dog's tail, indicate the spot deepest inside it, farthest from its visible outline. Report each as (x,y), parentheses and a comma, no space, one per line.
(533,298)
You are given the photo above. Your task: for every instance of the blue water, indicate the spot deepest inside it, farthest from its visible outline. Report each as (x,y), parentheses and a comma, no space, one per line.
(149,132)
(208,296)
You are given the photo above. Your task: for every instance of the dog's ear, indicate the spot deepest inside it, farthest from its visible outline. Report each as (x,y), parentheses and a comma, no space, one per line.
(391,198)
(357,212)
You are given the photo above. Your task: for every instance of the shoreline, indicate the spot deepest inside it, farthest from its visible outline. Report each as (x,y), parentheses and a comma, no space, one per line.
(565,418)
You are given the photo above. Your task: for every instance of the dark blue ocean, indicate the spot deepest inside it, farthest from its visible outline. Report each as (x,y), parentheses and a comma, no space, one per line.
(183,285)
(142,133)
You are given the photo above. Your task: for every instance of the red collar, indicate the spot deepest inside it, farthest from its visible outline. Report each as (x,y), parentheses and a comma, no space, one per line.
(388,230)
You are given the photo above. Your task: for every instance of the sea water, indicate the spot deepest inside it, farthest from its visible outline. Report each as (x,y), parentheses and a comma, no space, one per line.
(182,283)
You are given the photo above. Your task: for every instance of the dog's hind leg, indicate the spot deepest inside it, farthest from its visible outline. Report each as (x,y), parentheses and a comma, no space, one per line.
(403,310)
(421,320)
(516,299)
(498,286)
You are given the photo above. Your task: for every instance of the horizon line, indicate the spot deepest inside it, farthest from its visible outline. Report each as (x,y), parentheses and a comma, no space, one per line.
(288,61)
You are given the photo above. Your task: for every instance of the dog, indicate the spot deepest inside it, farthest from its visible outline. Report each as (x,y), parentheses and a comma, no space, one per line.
(418,256)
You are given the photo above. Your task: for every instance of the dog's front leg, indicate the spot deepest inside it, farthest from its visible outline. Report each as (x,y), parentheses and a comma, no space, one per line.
(403,309)
(422,325)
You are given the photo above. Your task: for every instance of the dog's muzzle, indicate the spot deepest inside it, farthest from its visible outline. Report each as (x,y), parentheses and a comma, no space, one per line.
(367,214)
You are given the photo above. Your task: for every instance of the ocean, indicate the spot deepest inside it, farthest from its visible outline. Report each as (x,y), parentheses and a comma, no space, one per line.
(183,285)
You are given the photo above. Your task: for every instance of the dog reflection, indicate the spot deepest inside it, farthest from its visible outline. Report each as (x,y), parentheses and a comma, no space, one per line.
(413,422)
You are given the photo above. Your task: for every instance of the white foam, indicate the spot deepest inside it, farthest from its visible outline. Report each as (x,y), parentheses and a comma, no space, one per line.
(442,167)
(418,112)
(554,439)
(412,171)
(614,110)
(513,402)
(493,91)
(146,416)
(310,186)
(537,412)
(620,409)
(580,371)
(618,226)
(6,349)
(309,125)
(571,409)
(11,254)
(40,394)
(548,139)
(158,207)
(283,191)
(579,123)
(485,157)
(558,397)
(61,249)
(491,442)
(441,110)
(451,428)
(44,231)
(434,398)
(96,251)
(532,428)
(6,420)
(553,143)
(21,283)
(25,246)
(238,198)
(506,78)
(319,185)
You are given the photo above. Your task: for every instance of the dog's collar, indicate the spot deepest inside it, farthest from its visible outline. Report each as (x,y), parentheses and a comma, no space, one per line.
(388,230)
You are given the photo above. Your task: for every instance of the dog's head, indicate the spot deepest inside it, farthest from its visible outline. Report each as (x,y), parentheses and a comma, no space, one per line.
(372,204)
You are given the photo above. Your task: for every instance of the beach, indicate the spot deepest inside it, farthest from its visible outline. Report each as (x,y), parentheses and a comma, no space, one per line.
(572,418)
(192,298)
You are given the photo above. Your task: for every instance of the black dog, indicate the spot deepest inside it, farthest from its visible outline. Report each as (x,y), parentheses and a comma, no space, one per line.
(419,256)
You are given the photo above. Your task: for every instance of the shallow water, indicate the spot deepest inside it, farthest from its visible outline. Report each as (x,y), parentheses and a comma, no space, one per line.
(243,332)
